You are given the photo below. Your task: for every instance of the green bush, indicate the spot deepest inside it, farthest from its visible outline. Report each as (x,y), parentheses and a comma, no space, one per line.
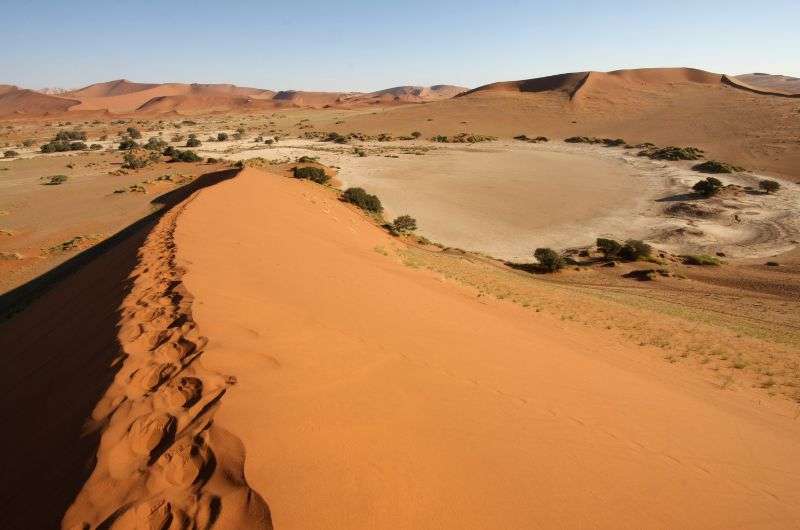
(10,154)
(336,138)
(634,250)
(184,156)
(712,166)
(193,142)
(769,186)
(305,159)
(314,174)
(362,199)
(135,160)
(708,186)
(58,146)
(221,137)
(404,224)
(672,153)
(608,247)
(549,259)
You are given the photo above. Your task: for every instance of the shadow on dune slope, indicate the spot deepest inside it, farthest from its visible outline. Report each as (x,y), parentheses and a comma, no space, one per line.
(60,352)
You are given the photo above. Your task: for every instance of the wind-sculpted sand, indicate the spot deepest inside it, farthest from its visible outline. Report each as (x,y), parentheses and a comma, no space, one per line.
(373,395)
(162,461)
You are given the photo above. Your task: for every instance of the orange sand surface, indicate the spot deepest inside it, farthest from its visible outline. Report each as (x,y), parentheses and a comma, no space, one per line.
(372,395)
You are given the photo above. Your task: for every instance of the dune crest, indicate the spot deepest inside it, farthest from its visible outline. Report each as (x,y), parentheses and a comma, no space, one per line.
(162,461)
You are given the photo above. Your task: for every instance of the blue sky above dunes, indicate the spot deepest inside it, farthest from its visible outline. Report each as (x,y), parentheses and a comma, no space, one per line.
(368,45)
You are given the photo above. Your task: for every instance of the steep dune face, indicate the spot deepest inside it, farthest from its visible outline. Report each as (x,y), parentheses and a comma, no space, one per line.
(198,103)
(23,102)
(788,89)
(411,94)
(372,395)
(783,84)
(119,87)
(566,83)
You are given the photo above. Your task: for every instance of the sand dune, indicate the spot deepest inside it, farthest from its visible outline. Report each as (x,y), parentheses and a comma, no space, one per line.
(371,395)
(779,83)
(23,102)
(767,90)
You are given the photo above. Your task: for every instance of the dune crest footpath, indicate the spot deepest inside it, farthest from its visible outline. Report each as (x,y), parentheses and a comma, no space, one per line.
(162,461)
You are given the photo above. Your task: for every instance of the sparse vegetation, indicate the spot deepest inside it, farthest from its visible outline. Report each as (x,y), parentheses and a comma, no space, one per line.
(193,142)
(183,156)
(362,199)
(55,180)
(127,144)
(58,146)
(701,259)
(712,166)
(671,153)
(608,247)
(305,159)
(67,136)
(608,142)
(769,186)
(525,138)
(314,174)
(463,138)
(133,132)
(708,186)
(137,159)
(10,154)
(221,137)
(549,259)
(95,147)
(155,144)
(635,250)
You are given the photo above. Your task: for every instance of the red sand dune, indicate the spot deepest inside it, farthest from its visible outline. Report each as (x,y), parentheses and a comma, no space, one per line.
(23,102)
(789,90)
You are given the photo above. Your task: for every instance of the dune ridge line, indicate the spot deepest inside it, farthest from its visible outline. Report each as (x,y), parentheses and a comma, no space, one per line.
(162,462)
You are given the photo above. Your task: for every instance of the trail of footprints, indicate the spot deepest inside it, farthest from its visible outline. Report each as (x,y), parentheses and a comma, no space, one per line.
(157,467)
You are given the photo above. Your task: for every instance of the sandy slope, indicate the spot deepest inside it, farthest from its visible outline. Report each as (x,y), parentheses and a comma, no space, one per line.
(371,395)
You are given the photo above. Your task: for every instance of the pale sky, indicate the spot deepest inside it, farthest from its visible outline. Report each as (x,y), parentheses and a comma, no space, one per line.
(369,45)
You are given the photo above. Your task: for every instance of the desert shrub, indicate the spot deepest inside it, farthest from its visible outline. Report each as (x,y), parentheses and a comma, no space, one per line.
(634,250)
(28,142)
(127,144)
(769,186)
(58,146)
(314,174)
(336,138)
(549,259)
(211,160)
(708,186)
(416,134)
(155,144)
(525,138)
(712,166)
(133,132)
(701,259)
(608,247)
(463,138)
(55,180)
(184,156)
(137,159)
(359,152)
(362,199)
(305,159)
(221,137)
(672,153)
(193,142)
(95,147)
(578,140)
(66,136)
(439,138)
(176,138)
(237,136)
(10,154)
(404,224)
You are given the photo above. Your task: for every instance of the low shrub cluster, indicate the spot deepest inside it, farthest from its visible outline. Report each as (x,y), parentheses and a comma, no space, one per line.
(127,144)
(58,146)
(701,259)
(221,137)
(54,180)
(133,132)
(404,224)
(671,153)
(193,141)
(708,186)
(69,136)
(10,154)
(138,158)
(631,250)
(176,155)
(463,138)
(712,166)
(155,144)
(524,138)
(314,174)
(608,142)
(362,199)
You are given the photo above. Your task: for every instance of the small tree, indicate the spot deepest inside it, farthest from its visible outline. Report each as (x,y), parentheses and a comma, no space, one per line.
(127,144)
(155,144)
(708,186)
(769,186)
(549,259)
(404,224)
(133,132)
(193,142)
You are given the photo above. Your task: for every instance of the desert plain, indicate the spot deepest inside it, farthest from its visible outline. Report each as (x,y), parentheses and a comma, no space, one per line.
(208,341)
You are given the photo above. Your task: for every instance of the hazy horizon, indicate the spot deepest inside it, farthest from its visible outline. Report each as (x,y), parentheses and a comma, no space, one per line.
(359,46)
